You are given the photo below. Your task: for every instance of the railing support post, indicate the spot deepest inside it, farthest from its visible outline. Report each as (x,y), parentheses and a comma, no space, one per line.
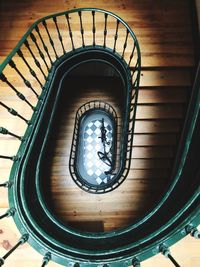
(8,213)
(193,231)
(136,263)
(6,184)
(166,252)
(46,259)
(22,240)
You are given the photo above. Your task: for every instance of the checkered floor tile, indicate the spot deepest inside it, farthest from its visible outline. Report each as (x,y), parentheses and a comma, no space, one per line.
(92,144)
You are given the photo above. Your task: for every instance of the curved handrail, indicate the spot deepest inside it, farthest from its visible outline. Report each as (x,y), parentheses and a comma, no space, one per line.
(36,23)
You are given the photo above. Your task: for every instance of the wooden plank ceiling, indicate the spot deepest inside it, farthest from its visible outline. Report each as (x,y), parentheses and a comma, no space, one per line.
(164,32)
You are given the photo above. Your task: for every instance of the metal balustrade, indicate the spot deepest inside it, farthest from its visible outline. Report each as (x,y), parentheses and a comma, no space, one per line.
(28,73)
(82,112)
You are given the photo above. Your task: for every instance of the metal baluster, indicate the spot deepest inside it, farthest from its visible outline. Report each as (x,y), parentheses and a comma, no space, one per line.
(135,262)
(13,112)
(70,31)
(8,157)
(135,68)
(116,36)
(20,95)
(125,43)
(22,240)
(93,27)
(166,252)
(59,35)
(6,185)
(131,56)
(26,82)
(33,38)
(132,97)
(43,43)
(193,231)
(81,28)
(37,63)
(8,213)
(6,132)
(105,30)
(50,39)
(32,72)
(46,259)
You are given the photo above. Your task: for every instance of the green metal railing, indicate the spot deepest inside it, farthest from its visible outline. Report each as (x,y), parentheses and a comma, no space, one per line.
(84,109)
(28,72)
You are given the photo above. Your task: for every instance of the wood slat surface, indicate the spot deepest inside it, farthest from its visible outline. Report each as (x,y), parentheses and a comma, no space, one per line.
(164,31)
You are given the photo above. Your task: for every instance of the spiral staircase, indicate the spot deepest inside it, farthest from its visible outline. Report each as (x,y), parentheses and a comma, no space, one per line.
(56,48)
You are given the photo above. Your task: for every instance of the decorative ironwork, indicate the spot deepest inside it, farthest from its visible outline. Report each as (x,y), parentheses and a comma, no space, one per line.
(6,132)
(22,240)
(70,31)
(6,185)
(43,43)
(8,213)
(46,259)
(95,139)
(59,35)
(37,63)
(50,39)
(81,28)
(13,112)
(93,27)
(136,263)
(166,252)
(20,95)
(26,82)
(33,38)
(32,72)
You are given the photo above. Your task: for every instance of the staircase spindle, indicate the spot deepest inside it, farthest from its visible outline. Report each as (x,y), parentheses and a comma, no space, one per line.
(166,252)
(33,38)
(193,231)
(134,69)
(13,112)
(8,213)
(125,43)
(81,28)
(26,82)
(44,23)
(32,72)
(8,157)
(59,35)
(6,132)
(20,95)
(131,56)
(37,63)
(105,30)
(136,263)
(93,27)
(46,259)
(22,240)
(70,31)
(116,36)
(43,43)
(6,184)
